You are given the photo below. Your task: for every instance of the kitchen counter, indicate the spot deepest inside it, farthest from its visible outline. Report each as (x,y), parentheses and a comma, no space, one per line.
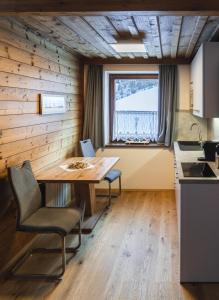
(197,204)
(192,156)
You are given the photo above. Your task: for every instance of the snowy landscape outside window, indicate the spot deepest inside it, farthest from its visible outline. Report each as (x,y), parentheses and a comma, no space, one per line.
(134,107)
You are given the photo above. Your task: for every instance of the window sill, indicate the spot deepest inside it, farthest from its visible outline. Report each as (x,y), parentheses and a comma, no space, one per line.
(123,145)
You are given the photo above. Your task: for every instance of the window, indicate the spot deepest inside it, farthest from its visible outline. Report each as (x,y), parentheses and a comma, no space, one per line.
(133,107)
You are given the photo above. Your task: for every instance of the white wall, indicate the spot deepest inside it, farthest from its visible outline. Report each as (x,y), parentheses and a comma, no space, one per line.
(143,168)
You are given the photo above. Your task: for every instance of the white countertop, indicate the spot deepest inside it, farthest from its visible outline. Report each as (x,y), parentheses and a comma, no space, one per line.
(191,156)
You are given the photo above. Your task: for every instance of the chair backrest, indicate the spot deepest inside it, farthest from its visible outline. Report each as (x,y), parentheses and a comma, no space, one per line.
(26,190)
(87,148)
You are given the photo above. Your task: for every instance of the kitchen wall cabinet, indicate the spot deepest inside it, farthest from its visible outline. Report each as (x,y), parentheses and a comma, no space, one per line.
(204,86)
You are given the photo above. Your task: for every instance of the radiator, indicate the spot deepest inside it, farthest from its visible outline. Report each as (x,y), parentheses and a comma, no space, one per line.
(58,194)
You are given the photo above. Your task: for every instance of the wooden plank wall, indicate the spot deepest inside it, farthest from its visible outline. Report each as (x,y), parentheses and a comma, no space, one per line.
(29,66)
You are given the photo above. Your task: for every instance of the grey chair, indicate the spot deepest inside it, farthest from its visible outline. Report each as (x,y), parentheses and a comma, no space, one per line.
(87,150)
(33,216)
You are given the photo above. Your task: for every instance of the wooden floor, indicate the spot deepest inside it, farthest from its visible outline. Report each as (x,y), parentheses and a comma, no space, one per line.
(131,255)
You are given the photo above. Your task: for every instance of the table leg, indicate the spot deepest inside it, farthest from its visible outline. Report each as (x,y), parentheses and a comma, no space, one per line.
(94,209)
(86,191)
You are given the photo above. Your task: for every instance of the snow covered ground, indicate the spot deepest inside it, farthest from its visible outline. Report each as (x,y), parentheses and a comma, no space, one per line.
(144,100)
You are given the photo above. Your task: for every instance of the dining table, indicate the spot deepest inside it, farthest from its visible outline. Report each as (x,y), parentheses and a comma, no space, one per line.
(83,181)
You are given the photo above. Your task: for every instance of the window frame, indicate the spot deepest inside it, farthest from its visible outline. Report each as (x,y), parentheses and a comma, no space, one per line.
(112,78)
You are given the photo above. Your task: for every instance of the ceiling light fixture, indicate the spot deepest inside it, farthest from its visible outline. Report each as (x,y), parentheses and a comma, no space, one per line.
(129,46)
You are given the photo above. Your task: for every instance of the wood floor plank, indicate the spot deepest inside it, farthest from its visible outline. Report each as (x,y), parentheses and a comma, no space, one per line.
(131,255)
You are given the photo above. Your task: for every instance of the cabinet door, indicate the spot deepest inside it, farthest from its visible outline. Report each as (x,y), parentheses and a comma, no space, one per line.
(211,80)
(177,197)
(197,83)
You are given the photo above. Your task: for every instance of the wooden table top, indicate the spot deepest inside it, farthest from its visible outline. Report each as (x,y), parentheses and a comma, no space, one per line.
(100,166)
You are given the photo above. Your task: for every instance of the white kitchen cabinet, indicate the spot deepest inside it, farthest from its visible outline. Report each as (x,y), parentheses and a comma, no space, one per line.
(204,89)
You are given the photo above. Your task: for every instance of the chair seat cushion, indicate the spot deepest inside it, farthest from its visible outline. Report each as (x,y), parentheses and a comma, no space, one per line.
(52,219)
(112,175)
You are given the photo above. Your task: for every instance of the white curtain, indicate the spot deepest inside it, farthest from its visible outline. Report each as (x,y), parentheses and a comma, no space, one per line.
(140,125)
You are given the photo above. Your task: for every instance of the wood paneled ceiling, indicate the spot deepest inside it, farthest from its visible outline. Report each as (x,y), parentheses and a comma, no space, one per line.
(164,37)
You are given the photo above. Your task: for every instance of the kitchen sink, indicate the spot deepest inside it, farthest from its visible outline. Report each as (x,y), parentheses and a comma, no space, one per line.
(189,145)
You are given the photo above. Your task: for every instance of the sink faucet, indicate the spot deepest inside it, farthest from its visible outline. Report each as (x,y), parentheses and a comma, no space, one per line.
(199,131)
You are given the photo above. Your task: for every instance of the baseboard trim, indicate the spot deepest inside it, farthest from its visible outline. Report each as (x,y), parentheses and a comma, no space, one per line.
(136,190)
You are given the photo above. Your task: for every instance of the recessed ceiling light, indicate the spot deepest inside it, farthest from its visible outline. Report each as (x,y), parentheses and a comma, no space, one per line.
(128,47)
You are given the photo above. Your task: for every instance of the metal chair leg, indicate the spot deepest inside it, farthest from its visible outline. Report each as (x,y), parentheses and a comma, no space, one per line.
(74,249)
(115,195)
(120,186)
(63,257)
(110,196)
(63,250)
(39,276)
